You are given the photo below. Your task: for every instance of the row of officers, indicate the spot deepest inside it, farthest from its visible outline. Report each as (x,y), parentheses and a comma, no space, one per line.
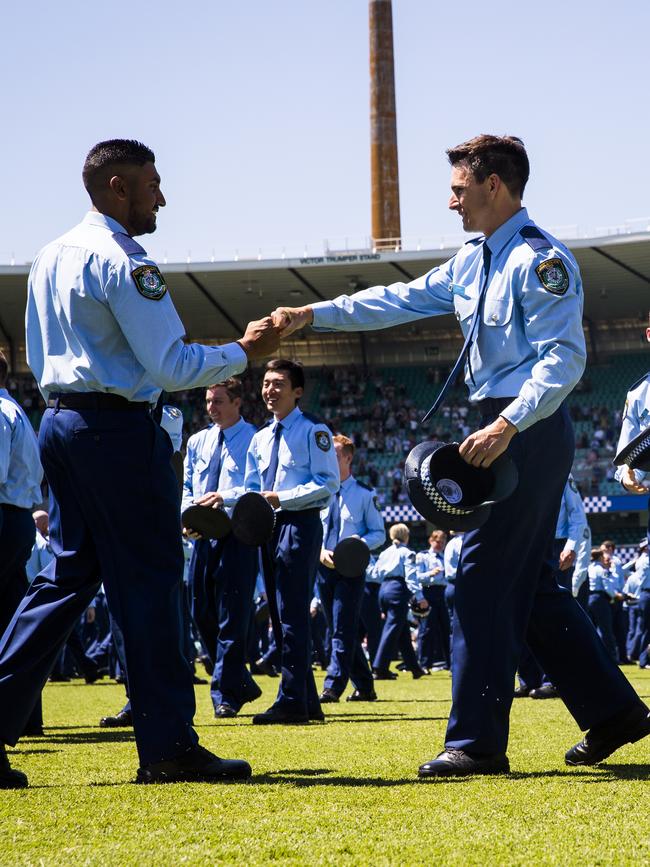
(297,465)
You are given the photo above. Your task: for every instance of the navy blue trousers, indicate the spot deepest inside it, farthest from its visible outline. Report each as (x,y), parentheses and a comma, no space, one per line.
(114,517)
(370,618)
(17,536)
(601,612)
(643,627)
(506,595)
(222,578)
(294,552)
(341,598)
(434,630)
(394,598)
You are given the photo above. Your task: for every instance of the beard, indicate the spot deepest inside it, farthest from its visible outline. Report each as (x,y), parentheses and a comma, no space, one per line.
(142,224)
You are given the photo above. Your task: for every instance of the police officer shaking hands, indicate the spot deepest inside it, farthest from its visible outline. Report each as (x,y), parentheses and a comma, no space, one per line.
(103,340)
(517,294)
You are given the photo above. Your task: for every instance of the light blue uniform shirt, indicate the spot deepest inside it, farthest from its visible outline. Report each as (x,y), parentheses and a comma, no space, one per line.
(40,557)
(171,421)
(601,579)
(572,522)
(89,328)
(360,515)
(308,472)
(200,448)
(583,559)
(20,464)
(641,574)
(426,561)
(452,556)
(398,561)
(636,418)
(530,342)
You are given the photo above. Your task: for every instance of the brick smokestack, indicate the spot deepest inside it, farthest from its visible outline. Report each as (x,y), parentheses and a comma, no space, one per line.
(383,127)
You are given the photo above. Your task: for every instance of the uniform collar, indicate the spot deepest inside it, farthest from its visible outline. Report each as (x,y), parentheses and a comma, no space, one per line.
(233,430)
(4,392)
(289,420)
(348,482)
(94,218)
(498,240)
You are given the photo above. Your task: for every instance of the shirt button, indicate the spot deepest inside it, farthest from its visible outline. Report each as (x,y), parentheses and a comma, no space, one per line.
(494,317)
(458,316)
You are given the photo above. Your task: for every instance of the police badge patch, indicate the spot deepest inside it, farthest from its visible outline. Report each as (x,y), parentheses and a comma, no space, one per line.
(554,276)
(323,440)
(149,282)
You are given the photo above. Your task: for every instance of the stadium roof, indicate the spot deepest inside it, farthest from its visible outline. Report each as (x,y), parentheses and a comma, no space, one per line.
(216,299)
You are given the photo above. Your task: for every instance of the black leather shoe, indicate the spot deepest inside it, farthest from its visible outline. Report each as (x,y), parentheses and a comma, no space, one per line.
(418,673)
(92,675)
(197,765)
(224,711)
(121,720)
(9,777)
(33,732)
(316,715)
(328,696)
(603,740)
(263,666)
(521,692)
(252,692)
(458,763)
(362,695)
(383,674)
(278,716)
(547,690)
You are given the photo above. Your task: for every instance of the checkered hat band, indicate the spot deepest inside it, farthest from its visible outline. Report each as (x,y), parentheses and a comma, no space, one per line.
(438,501)
(638,449)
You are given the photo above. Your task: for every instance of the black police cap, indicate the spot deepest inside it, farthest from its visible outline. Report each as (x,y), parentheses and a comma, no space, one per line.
(449,492)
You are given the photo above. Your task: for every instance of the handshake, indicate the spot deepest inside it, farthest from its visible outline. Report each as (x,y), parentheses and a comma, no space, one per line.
(262,337)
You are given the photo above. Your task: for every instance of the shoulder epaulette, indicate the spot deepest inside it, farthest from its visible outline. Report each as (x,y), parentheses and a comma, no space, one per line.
(128,245)
(535,238)
(639,381)
(314,419)
(365,485)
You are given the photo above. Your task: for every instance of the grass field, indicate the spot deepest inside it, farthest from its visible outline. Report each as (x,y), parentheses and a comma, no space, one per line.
(335,793)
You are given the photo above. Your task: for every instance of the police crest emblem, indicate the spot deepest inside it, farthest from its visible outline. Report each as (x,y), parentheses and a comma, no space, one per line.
(323,440)
(149,282)
(554,276)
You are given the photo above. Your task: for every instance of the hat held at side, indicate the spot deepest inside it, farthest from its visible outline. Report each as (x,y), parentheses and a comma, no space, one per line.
(449,492)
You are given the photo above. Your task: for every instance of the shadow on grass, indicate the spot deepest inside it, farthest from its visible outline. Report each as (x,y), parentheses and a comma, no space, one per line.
(343,718)
(306,779)
(597,774)
(94,736)
(28,752)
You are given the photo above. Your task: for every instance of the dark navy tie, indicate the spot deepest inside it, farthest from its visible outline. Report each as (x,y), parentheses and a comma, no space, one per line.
(334,523)
(214,468)
(272,469)
(473,328)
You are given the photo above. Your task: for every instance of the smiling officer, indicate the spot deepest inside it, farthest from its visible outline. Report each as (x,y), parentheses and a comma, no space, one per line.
(103,339)
(517,294)
(292,463)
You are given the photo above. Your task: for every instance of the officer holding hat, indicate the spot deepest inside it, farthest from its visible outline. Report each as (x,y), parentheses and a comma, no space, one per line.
(222,573)
(352,513)
(103,340)
(517,294)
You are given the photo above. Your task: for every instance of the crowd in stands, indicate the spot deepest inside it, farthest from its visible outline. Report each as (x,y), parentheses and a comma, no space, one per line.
(378,414)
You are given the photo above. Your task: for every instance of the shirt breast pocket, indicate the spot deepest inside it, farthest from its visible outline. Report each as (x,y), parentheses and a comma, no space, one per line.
(498,310)
(464,308)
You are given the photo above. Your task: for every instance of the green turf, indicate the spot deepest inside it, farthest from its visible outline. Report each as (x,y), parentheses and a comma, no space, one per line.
(342,792)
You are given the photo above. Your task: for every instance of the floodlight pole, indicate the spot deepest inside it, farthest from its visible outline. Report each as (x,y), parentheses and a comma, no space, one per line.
(383,129)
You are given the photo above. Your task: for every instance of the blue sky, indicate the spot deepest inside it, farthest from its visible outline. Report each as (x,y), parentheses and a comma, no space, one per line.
(258,113)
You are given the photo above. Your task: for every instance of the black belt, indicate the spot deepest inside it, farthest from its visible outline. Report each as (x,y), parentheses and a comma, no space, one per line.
(10,508)
(94,400)
(492,405)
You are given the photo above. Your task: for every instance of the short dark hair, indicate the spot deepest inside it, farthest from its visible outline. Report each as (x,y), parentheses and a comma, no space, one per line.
(232,385)
(485,155)
(293,368)
(105,155)
(4,368)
